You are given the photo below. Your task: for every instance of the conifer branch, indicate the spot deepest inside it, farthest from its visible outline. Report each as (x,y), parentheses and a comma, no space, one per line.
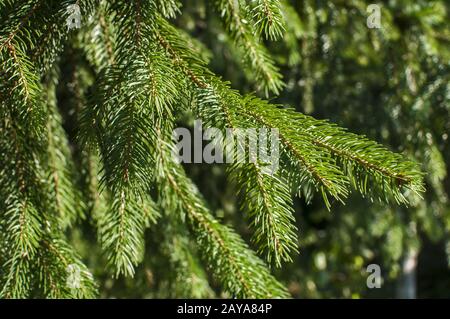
(23,224)
(21,210)
(121,232)
(266,198)
(238,20)
(304,161)
(143,71)
(269,205)
(370,168)
(65,196)
(99,37)
(125,133)
(227,256)
(168,8)
(56,261)
(268,18)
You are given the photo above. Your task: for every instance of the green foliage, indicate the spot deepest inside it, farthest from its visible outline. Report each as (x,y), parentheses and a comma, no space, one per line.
(135,75)
(268,18)
(239,22)
(229,259)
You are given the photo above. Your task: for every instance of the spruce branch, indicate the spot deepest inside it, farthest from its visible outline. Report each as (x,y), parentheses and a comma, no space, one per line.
(237,19)
(168,8)
(145,87)
(23,225)
(320,166)
(63,273)
(22,209)
(268,18)
(266,197)
(38,29)
(143,71)
(121,232)
(65,196)
(20,89)
(305,162)
(268,203)
(99,38)
(226,255)
(133,93)
(369,167)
